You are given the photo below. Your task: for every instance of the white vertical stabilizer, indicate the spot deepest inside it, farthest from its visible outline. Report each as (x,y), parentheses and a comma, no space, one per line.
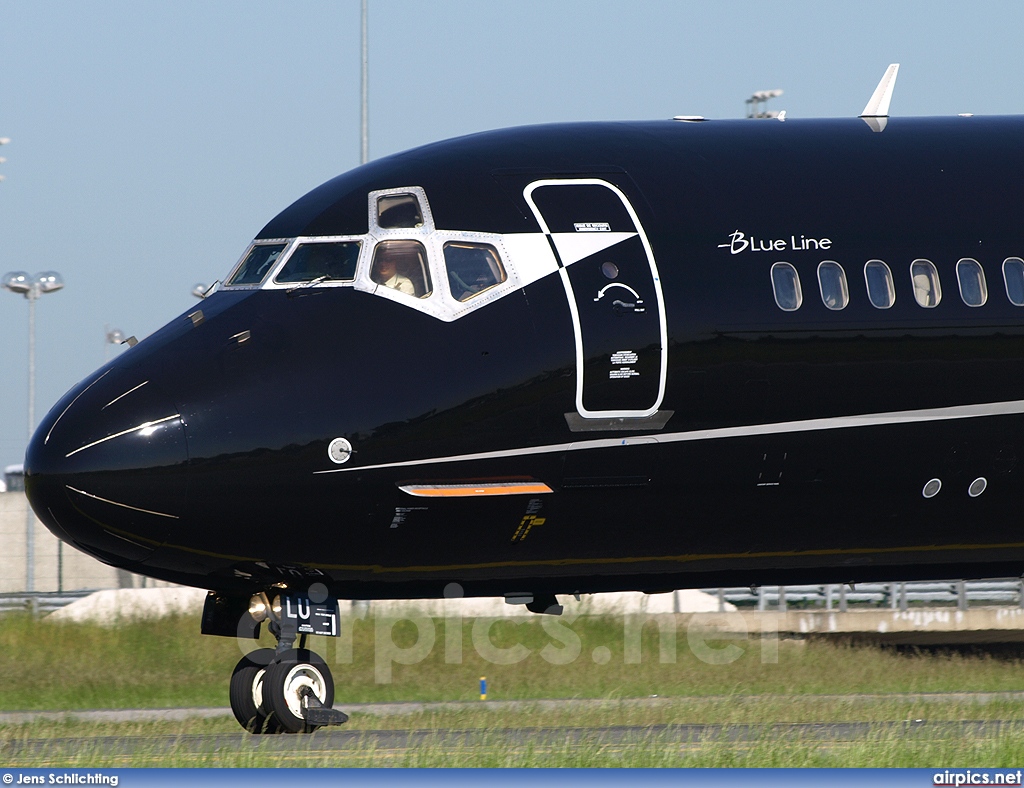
(878,105)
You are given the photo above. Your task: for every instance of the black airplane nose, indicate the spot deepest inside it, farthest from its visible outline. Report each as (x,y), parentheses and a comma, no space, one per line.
(106,469)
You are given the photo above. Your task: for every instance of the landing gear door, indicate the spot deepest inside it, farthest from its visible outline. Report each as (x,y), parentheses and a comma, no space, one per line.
(614,291)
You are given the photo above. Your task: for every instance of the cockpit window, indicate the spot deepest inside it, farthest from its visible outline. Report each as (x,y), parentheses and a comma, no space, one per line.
(472,268)
(256,264)
(397,211)
(330,262)
(402,265)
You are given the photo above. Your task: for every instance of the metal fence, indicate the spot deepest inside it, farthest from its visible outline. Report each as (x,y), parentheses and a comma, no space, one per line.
(961,594)
(896,596)
(39,603)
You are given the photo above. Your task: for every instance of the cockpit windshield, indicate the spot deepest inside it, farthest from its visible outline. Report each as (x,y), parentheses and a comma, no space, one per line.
(401,257)
(402,265)
(398,210)
(326,261)
(472,268)
(256,264)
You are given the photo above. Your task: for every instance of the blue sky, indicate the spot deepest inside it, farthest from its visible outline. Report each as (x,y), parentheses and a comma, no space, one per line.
(151,141)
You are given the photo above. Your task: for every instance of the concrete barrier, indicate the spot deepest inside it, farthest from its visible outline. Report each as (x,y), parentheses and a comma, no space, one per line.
(116,605)
(128,604)
(680,611)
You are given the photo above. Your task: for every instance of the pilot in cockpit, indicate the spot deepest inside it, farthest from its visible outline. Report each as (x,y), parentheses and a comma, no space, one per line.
(385,272)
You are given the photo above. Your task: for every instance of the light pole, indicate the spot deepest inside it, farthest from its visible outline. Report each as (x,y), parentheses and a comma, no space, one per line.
(364,115)
(31,287)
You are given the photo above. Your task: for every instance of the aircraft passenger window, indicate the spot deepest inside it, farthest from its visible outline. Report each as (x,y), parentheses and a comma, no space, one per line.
(786,286)
(971,277)
(878,277)
(395,211)
(472,268)
(1013,276)
(832,282)
(256,264)
(331,262)
(925,278)
(402,265)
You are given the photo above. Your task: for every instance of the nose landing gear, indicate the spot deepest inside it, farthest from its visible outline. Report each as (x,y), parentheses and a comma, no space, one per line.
(287,689)
(291,692)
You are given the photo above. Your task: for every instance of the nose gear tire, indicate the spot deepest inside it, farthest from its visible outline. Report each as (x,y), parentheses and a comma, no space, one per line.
(248,702)
(295,674)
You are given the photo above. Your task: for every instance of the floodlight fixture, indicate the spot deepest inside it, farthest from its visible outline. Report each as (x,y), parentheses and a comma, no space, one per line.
(759,97)
(32,286)
(16,282)
(49,282)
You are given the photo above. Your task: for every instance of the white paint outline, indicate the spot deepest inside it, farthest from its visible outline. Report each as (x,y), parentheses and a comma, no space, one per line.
(577,329)
(603,290)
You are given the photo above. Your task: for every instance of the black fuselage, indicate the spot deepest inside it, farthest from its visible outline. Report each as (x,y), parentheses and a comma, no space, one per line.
(668,426)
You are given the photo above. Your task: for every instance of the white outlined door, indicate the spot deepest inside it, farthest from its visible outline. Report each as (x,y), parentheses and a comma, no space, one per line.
(611,281)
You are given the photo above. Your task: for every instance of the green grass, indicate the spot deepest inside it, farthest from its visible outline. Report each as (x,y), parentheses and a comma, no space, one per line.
(173,744)
(736,710)
(168,744)
(168,664)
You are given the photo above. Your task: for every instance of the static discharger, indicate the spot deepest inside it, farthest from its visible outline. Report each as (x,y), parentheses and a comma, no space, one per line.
(474,490)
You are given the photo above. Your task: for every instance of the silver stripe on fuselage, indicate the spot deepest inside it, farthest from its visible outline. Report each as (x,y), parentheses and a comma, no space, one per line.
(122,505)
(144,426)
(751,430)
